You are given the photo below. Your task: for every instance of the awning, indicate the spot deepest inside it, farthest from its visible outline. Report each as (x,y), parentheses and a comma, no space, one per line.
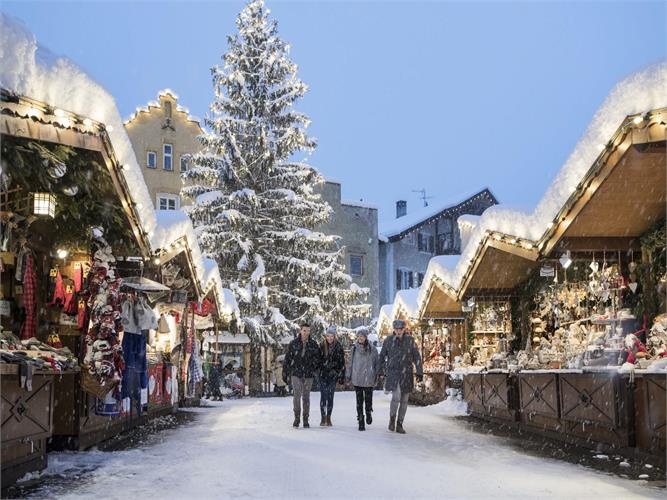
(227,338)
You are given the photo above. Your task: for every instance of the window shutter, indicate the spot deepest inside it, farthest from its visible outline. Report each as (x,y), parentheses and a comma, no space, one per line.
(431,243)
(398,279)
(410,279)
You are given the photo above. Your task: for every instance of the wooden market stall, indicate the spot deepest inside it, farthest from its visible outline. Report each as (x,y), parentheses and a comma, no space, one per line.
(599,236)
(48,208)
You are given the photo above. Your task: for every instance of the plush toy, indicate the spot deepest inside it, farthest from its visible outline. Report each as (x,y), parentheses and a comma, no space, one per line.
(634,348)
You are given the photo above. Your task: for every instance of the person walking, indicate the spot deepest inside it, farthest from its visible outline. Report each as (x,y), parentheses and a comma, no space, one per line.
(302,363)
(362,372)
(399,353)
(279,385)
(333,370)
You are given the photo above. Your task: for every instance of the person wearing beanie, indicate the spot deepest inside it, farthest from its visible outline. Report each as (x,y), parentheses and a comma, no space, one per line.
(399,353)
(362,372)
(332,371)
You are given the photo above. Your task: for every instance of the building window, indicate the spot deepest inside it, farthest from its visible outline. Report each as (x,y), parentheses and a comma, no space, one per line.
(445,243)
(357,265)
(420,279)
(167,158)
(184,163)
(166,201)
(167,109)
(404,279)
(425,242)
(151,159)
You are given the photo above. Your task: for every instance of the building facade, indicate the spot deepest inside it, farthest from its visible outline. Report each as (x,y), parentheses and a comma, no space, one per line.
(357,225)
(163,134)
(408,243)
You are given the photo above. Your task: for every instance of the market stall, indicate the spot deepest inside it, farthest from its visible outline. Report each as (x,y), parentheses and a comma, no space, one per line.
(587,318)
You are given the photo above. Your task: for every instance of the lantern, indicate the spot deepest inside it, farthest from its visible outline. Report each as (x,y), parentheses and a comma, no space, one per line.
(44,204)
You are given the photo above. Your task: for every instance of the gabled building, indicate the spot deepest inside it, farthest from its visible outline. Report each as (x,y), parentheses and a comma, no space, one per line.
(408,242)
(163,134)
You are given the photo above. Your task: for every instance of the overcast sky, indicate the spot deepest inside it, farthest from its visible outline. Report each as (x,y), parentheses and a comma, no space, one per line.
(447,96)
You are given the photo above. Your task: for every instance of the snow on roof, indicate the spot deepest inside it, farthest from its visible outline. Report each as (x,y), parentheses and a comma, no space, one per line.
(640,92)
(166,92)
(156,104)
(467,224)
(360,204)
(172,225)
(408,301)
(224,338)
(30,70)
(411,219)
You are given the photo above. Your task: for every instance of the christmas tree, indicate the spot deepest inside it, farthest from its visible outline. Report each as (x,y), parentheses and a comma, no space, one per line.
(255,202)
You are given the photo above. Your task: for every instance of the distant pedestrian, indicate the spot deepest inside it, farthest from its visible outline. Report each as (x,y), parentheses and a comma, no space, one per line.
(362,372)
(399,353)
(279,384)
(333,371)
(302,363)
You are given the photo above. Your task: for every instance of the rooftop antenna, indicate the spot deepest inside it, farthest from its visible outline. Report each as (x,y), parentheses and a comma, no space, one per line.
(423,196)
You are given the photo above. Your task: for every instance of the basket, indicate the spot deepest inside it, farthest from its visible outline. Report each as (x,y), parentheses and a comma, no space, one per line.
(90,384)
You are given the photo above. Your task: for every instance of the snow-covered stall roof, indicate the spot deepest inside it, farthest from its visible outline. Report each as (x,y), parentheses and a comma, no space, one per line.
(226,338)
(640,92)
(406,301)
(385,317)
(423,215)
(30,70)
(174,226)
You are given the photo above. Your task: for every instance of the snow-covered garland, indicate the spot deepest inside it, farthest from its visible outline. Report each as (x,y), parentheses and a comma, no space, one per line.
(254,206)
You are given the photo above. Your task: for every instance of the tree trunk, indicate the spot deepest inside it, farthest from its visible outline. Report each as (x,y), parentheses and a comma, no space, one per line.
(255,382)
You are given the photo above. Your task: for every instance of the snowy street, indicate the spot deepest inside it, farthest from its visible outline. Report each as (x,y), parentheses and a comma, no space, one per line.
(247,448)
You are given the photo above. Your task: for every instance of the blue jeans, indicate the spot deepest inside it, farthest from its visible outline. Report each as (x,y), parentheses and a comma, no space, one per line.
(327,390)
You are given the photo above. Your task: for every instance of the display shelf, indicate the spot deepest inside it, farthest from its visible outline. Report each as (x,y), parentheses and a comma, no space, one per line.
(481,332)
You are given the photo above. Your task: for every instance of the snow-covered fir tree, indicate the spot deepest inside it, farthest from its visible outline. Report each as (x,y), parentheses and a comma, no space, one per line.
(255,204)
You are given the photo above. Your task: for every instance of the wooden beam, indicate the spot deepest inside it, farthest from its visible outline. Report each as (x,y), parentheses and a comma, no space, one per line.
(594,244)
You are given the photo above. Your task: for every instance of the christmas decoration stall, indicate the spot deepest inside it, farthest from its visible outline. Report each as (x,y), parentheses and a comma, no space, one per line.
(570,298)
(82,254)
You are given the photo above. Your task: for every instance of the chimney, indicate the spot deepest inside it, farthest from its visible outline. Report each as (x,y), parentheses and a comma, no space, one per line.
(401,208)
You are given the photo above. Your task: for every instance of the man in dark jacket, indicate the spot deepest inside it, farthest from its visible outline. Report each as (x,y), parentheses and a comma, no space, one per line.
(302,363)
(399,353)
(333,370)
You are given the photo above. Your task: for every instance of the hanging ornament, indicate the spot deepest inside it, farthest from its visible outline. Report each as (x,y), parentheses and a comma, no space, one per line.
(71,190)
(57,170)
(632,287)
(595,267)
(632,266)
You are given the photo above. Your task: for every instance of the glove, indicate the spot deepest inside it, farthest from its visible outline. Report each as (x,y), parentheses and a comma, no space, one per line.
(420,378)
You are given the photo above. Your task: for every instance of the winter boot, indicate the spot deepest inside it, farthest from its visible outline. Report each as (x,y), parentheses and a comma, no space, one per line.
(369,417)
(360,418)
(329,424)
(306,425)
(296,421)
(323,421)
(399,427)
(392,424)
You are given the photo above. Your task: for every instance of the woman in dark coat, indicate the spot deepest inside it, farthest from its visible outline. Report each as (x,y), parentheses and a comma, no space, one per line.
(332,371)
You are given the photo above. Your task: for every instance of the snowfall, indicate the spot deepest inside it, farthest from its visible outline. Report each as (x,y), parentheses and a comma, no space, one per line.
(248,448)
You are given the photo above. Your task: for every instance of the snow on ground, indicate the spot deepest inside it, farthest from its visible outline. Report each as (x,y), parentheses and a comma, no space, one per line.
(247,448)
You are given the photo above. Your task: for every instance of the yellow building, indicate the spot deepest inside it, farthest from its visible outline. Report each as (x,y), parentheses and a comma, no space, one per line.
(162,135)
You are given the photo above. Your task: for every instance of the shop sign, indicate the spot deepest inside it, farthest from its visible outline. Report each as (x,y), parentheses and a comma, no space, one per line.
(547,271)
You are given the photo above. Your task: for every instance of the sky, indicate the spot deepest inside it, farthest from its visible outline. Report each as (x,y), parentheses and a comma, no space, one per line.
(450,97)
